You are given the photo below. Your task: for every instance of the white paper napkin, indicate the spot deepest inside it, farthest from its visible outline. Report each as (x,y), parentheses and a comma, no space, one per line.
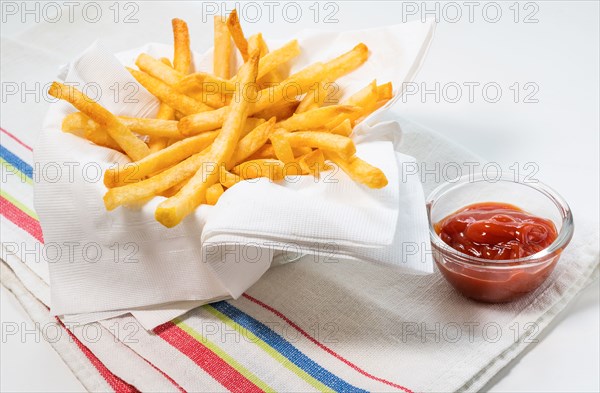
(125,260)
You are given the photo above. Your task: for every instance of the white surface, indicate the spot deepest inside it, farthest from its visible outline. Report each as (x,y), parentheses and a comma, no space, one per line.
(560,134)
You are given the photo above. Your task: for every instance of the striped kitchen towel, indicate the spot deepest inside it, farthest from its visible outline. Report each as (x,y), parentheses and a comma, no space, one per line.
(317,324)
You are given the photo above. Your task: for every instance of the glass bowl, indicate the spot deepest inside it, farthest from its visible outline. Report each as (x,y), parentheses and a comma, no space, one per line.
(495,281)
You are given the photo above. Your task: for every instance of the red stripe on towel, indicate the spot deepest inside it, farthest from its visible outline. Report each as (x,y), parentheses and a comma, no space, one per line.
(20,142)
(21,219)
(210,362)
(115,382)
(324,347)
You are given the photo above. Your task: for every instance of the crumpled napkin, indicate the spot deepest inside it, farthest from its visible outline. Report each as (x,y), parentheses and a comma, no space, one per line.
(124,259)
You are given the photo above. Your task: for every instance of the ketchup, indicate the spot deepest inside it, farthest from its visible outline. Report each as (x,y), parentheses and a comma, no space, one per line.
(496,231)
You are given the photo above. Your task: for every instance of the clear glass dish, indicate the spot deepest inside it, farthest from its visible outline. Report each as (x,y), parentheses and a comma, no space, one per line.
(495,281)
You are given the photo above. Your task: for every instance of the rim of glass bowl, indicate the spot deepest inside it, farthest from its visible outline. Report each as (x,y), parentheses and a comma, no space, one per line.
(562,240)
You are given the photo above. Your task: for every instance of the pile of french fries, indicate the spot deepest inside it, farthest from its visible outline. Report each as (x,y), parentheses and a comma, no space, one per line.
(214,130)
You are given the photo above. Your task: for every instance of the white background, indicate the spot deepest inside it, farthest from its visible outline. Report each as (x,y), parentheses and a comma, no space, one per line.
(560,134)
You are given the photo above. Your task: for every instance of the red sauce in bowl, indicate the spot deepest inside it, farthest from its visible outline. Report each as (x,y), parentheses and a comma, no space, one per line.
(497,232)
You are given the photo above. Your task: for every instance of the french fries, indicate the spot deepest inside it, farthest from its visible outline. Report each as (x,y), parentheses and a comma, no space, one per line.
(316,118)
(169,95)
(201,79)
(213,130)
(171,211)
(131,144)
(182,56)
(252,142)
(227,178)
(222,49)
(281,110)
(157,161)
(135,192)
(158,69)
(278,57)
(347,62)
(359,170)
(235,29)
(79,124)
(269,168)
(344,128)
(213,193)
(165,112)
(210,120)
(312,163)
(144,126)
(314,98)
(282,148)
(341,145)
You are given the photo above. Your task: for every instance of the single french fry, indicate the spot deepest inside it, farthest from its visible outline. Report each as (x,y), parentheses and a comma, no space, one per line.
(169,95)
(316,118)
(159,69)
(182,56)
(341,145)
(213,193)
(135,148)
(364,97)
(344,128)
(314,98)
(152,127)
(222,49)
(347,62)
(235,29)
(272,60)
(281,111)
(133,172)
(252,142)
(385,91)
(359,170)
(202,122)
(282,148)
(171,211)
(313,162)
